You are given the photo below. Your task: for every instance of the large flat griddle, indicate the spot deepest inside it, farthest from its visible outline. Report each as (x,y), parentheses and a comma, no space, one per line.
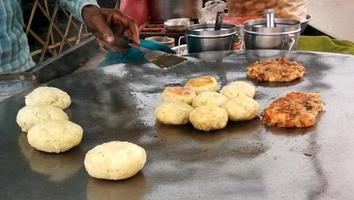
(243,161)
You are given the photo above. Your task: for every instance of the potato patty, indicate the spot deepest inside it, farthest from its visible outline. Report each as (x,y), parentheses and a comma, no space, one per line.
(202,84)
(278,70)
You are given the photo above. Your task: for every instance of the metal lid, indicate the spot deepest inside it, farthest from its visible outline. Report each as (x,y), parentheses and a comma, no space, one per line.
(282,27)
(207,30)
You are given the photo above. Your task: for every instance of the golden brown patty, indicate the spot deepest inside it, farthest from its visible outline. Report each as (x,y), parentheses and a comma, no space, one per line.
(202,83)
(177,93)
(296,109)
(279,70)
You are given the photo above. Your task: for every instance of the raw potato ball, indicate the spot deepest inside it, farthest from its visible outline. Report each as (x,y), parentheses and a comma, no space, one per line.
(202,83)
(241,108)
(115,160)
(208,118)
(177,93)
(29,116)
(209,99)
(55,136)
(48,96)
(238,88)
(173,113)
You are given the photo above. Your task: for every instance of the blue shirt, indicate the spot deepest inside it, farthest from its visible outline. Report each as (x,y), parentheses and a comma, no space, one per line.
(14,50)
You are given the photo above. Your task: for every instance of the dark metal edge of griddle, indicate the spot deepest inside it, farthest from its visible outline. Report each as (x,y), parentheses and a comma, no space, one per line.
(67,62)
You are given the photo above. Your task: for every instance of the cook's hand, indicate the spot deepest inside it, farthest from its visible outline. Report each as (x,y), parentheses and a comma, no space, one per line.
(107,24)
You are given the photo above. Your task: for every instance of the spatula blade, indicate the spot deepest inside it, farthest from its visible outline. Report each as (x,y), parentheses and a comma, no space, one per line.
(165,60)
(159,58)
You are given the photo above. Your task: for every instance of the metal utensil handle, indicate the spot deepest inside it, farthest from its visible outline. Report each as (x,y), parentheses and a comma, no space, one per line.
(219,20)
(292,40)
(143,49)
(179,44)
(270,18)
(127,43)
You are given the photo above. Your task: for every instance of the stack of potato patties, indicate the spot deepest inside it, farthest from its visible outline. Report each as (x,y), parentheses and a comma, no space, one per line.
(199,102)
(47,125)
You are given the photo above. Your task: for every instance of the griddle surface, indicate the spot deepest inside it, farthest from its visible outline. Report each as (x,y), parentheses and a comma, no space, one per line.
(243,161)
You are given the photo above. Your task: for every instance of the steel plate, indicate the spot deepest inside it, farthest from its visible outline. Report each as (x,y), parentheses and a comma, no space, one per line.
(243,161)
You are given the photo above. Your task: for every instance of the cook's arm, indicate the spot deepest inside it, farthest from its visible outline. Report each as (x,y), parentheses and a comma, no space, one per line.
(105,24)
(75,7)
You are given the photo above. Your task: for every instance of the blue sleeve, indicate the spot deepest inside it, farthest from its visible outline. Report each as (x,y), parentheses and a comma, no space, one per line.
(75,6)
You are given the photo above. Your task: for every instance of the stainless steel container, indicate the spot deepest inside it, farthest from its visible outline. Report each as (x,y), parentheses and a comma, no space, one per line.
(284,35)
(168,41)
(203,37)
(161,10)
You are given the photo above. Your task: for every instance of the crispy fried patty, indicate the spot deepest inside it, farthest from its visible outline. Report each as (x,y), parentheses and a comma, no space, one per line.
(296,109)
(278,70)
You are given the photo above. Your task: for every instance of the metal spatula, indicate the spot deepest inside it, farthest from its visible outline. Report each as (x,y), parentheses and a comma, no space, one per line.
(159,58)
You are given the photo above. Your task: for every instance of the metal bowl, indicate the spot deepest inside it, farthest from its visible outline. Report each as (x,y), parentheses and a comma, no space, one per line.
(203,37)
(178,24)
(284,36)
(168,41)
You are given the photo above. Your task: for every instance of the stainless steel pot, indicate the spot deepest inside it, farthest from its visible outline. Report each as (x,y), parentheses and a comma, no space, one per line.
(161,10)
(284,35)
(203,37)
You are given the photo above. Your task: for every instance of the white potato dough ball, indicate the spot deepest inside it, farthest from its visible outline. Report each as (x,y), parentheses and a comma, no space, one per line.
(241,108)
(208,118)
(177,93)
(238,88)
(55,136)
(202,84)
(115,160)
(209,99)
(173,113)
(29,116)
(48,96)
